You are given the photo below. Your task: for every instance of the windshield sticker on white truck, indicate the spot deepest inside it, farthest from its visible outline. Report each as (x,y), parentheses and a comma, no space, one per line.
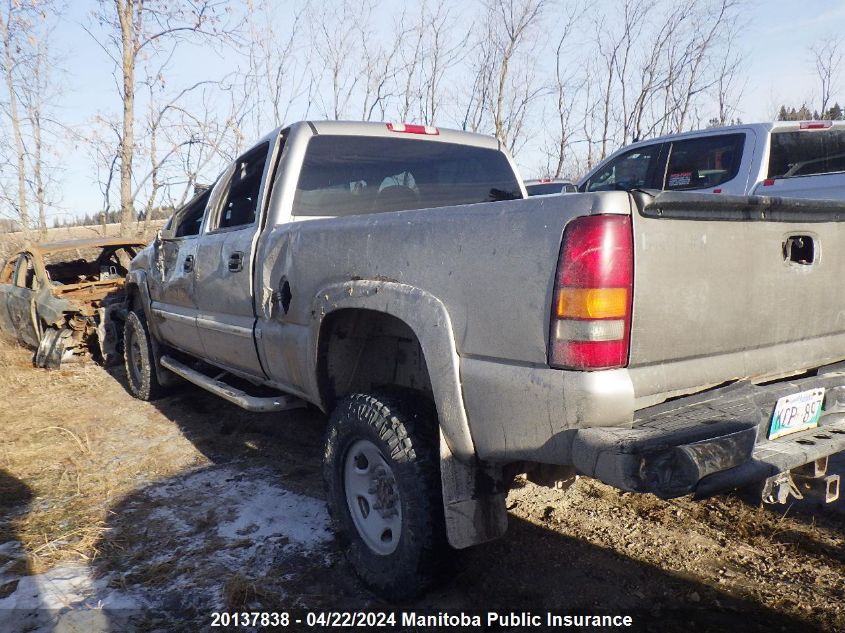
(679,179)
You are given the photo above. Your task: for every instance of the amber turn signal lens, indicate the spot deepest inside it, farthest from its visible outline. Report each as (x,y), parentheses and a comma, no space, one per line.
(592,303)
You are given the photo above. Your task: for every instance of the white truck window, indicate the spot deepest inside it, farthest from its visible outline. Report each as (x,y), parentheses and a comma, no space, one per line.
(701,163)
(806,153)
(632,170)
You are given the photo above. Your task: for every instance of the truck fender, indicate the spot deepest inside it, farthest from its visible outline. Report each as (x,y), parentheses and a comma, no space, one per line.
(473,515)
(427,317)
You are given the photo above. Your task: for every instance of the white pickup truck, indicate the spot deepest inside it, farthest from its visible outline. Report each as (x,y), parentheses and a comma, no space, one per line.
(795,159)
(459,335)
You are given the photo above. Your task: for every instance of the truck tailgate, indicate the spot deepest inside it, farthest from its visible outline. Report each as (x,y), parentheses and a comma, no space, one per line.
(733,287)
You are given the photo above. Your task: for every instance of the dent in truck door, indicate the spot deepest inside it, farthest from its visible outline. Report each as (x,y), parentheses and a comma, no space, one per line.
(172,290)
(225,312)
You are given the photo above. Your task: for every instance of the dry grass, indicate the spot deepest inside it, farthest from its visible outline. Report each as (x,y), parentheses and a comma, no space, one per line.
(76,455)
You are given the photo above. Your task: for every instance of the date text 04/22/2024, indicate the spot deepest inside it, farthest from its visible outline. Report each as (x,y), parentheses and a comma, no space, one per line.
(379,619)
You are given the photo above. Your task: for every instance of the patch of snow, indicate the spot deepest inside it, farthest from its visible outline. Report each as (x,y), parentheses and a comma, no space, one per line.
(169,516)
(10,548)
(263,511)
(64,586)
(213,523)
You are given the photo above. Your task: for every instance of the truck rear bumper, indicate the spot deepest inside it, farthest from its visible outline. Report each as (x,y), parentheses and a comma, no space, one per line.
(711,441)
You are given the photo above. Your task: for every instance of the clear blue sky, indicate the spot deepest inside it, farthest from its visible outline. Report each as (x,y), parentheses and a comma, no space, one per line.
(777,69)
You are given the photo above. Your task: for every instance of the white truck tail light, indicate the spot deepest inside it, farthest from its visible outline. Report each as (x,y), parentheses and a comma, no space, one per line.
(409,128)
(591,313)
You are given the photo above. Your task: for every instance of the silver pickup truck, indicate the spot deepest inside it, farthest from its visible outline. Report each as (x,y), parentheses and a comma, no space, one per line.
(459,335)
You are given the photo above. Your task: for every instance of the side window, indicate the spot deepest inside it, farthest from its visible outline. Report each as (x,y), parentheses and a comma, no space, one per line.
(188,221)
(240,200)
(634,169)
(706,162)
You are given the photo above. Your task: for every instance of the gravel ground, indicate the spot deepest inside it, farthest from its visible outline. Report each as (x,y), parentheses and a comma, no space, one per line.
(119,515)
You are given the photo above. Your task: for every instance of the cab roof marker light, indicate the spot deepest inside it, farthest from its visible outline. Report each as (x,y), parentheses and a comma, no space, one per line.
(815,125)
(409,128)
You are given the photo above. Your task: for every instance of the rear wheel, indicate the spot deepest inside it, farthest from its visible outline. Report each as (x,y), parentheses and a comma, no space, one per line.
(382,477)
(139,359)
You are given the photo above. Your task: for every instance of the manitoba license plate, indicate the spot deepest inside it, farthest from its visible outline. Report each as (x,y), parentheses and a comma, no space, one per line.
(797,412)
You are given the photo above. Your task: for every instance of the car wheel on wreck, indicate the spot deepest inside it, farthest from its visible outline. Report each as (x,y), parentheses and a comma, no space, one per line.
(139,359)
(382,478)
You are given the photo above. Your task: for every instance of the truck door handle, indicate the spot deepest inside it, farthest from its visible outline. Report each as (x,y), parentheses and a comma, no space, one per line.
(236,262)
(188,264)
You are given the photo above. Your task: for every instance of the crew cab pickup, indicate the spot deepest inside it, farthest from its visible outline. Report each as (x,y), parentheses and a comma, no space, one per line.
(459,335)
(795,159)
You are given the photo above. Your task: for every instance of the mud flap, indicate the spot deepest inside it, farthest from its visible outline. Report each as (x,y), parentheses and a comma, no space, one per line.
(473,505)
(51,348)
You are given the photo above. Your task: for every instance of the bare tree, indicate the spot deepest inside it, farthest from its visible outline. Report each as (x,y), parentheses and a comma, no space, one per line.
(278,58)
(827,56)
(33,97)
(15,21)
(29,70)
(429,50)
(504,79)
(660,63)
(565,89)
(144,27)
(335,38)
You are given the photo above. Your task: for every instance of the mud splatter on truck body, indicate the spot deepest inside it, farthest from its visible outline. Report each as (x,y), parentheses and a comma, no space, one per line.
(66,299)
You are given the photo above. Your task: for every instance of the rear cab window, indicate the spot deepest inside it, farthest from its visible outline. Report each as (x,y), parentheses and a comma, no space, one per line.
(701,163)
(350,175)
(806,153)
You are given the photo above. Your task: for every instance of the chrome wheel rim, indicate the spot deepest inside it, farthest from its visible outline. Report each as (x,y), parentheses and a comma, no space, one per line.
(372,497)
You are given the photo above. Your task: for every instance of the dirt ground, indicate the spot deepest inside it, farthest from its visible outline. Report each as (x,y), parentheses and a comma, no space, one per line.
(156,514)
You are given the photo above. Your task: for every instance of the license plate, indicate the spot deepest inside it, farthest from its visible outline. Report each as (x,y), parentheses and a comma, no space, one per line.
(796,412)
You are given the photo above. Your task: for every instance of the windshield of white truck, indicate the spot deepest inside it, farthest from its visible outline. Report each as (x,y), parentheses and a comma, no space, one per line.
(349,175)
(807,153)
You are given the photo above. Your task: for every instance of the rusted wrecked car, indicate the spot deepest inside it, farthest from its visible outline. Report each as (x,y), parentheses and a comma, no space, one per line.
(66,299)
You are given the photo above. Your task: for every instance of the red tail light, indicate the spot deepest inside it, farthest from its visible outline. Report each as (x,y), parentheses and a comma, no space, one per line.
(591,311)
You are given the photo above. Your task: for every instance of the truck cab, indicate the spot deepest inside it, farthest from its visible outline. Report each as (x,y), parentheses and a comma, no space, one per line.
(796,159)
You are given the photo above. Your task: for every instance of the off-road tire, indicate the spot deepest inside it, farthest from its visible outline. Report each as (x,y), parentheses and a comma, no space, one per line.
(139,359)
(403,426)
